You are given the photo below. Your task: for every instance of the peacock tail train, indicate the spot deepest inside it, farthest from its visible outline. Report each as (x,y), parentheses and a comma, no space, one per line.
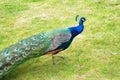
(31,47)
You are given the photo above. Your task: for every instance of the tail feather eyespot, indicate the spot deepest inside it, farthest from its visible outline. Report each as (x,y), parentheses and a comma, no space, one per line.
(27,48)
(8,58)
(1,72)
(7,52)
(24,54)
(12,62)
(33,48)
(16,58)
(16,49)
(6,68)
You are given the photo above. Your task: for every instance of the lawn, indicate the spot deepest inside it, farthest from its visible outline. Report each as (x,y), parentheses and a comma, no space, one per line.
(93,55)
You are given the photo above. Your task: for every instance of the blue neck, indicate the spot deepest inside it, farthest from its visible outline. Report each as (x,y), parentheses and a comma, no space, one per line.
(76,29)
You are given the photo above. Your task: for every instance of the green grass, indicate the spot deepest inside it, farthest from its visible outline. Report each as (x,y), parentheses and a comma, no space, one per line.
(93,55)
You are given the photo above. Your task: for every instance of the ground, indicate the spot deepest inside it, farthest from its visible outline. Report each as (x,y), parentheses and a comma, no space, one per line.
(93,55)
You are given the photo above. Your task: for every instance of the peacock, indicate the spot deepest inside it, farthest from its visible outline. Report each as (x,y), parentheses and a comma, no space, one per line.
(51,42)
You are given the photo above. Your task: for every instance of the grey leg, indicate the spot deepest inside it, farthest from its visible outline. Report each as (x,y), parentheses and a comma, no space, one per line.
(53,58)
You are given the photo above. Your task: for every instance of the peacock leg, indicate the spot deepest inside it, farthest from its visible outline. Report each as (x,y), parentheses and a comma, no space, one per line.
(53,59)
(55,52)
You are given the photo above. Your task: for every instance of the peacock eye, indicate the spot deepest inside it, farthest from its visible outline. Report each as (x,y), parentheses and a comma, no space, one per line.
(16,58)
(27,48)
(26,43)
(5,68)
(24,54)
(7,52)
(34,38)
(12,62)
(16,49)
(8,58)
(33,48)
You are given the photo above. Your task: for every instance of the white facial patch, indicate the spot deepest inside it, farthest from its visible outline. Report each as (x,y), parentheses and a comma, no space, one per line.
(83,19)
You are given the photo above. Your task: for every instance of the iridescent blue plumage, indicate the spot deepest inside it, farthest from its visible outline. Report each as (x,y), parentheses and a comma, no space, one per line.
(77,29)
(74,32)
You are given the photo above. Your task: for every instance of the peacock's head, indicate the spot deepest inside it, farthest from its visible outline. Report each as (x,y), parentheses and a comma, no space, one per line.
(81,20)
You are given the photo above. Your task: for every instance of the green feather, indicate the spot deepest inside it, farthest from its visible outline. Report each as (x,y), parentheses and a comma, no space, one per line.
(26,49)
